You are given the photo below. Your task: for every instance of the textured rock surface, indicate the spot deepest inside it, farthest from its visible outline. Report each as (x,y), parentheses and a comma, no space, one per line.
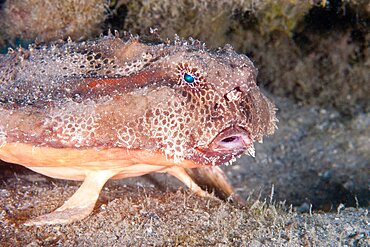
(52,20)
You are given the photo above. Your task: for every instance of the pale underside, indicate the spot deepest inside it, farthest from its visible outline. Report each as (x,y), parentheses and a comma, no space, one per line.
(95,167)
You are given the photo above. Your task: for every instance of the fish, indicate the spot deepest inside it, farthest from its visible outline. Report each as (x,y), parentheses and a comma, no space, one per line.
(118,107)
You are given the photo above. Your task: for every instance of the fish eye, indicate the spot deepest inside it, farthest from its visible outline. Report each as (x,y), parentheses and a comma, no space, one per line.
(189,78)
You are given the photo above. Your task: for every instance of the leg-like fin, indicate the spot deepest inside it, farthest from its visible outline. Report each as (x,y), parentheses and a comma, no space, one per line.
(181,174)
(213,178)
(80,205)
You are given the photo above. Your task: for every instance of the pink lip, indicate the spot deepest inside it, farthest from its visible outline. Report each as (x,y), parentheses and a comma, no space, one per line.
(231,140)
(229,143)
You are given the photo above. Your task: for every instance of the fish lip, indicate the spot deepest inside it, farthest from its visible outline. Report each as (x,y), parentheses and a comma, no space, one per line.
(234,138)
(231,142)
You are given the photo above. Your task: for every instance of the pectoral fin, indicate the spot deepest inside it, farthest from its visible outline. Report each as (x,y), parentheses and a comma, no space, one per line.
(80,205)
(212,178)
(181,174)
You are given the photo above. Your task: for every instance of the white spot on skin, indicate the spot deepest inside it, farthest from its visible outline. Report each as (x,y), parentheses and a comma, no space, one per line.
(2,136)
(234,95)
(124,138)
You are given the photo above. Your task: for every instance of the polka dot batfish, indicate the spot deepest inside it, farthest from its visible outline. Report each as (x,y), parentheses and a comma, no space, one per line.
(124,107)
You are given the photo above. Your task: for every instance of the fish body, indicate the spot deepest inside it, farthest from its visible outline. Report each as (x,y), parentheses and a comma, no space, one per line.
(124,107)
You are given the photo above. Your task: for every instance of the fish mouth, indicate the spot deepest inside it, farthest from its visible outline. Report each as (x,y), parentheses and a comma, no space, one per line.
(233,140)
(228,144)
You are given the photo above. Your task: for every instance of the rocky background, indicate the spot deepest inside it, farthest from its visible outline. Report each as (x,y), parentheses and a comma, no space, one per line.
(309,184)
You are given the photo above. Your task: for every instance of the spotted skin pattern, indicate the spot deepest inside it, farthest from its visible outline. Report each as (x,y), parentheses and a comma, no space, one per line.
(137,107)
(51,81)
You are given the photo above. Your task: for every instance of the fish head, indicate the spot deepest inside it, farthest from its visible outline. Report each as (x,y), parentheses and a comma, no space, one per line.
(206,106)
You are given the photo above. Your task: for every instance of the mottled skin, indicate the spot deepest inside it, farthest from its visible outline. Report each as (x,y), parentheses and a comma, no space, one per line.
(116,108)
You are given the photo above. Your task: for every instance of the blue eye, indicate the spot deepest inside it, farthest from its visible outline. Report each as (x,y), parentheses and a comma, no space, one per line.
(189,78)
